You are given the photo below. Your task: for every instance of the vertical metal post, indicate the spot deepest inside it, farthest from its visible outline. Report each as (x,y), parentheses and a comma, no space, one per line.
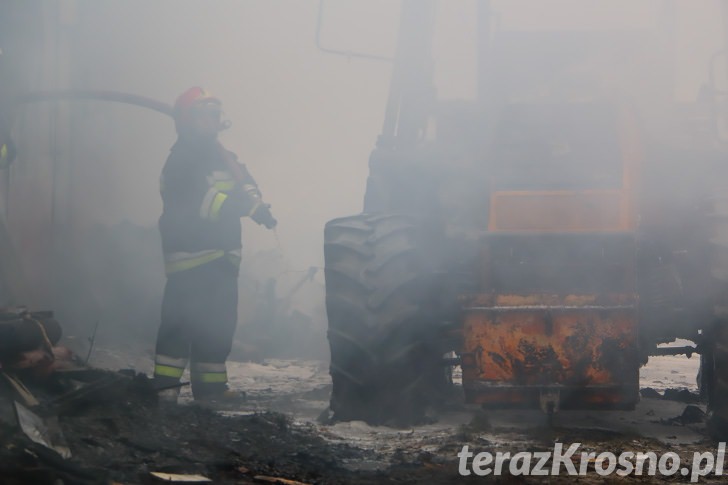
(669,21)
(722,106)
(411,89)
(484,33)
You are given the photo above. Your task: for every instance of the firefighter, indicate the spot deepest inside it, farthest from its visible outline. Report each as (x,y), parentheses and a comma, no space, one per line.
(7,152)
(7,147)
(205,193)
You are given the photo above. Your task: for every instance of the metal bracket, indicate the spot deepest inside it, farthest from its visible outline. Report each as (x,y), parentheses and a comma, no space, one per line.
(347,54)
(549,399)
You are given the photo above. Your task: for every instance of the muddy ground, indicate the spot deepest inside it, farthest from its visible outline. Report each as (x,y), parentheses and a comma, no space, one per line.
(277,433)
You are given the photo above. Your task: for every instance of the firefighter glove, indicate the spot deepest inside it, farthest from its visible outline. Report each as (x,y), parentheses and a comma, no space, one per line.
(262,215)
(7,153)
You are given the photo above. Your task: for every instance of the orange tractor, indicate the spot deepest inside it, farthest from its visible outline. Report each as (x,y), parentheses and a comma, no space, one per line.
(546,234)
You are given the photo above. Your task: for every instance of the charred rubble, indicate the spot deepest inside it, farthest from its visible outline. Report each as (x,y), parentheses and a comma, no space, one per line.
(62,421)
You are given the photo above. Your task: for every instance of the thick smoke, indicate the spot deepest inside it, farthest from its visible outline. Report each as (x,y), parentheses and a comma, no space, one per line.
(83,197)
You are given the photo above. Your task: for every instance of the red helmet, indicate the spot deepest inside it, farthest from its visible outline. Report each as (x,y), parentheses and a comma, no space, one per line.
(193,97)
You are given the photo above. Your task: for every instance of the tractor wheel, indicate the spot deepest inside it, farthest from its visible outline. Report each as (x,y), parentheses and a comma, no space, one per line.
(385,360)
(715,370)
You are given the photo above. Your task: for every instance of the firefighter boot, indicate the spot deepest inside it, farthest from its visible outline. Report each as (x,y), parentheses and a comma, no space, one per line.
(226,400)
(168,396)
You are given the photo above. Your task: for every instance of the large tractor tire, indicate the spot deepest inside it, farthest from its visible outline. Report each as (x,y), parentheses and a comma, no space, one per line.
(386,365)
(714,360)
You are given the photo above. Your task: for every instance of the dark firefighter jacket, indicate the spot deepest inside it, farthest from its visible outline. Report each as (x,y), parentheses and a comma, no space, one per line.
(203,205)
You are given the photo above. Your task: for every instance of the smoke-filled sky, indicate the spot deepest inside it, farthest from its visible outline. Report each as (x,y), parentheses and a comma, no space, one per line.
(303,121)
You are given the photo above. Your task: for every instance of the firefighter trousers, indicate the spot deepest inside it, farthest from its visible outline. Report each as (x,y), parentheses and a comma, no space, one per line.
(199,316)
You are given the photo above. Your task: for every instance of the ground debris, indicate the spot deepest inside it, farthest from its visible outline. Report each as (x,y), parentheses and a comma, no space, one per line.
(682,395)
(671,394)
(691,415)
(116,430)
(120,434)
(189,439)
(282,481)
(178,478)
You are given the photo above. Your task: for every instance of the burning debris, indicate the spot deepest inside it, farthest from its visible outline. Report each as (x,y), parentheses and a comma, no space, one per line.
(28,343)
(61,420)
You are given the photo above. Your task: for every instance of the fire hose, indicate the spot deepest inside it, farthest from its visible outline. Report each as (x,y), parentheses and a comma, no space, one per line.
(117,97)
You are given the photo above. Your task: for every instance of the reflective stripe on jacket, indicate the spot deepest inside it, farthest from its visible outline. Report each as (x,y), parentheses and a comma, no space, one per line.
(203,205)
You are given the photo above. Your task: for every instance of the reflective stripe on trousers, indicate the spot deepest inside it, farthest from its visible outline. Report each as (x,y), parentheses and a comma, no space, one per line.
(208,373)
(181,261)
(165,366)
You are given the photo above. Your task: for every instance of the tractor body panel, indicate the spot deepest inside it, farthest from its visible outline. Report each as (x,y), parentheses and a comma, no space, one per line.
(556,313)
(584,347)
